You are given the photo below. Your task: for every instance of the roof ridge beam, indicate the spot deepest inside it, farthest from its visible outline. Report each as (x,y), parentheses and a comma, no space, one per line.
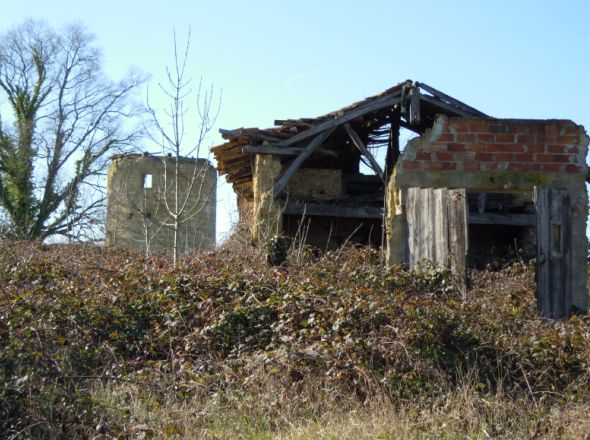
(378,104)
(451,100)
(445,105)
(284,151)
(238,133)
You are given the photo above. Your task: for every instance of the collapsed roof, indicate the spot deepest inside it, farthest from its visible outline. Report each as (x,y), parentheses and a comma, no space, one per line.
(367,123)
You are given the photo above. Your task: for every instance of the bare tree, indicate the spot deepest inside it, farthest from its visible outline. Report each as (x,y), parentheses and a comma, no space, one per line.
(150,228)
(65,118)
(184,191)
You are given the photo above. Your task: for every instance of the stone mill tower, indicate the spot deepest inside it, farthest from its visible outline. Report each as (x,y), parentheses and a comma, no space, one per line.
(143,195)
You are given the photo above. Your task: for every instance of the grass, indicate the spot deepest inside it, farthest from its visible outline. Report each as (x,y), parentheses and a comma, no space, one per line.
(98,343)
(460,413)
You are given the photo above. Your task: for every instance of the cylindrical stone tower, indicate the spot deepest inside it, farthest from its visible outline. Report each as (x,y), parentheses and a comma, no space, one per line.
(146,193)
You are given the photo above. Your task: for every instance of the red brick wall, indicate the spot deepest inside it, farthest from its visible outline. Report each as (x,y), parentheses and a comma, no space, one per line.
(475,144)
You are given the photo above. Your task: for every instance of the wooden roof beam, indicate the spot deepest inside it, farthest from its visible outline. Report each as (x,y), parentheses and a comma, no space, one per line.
(285,151)
(472,111)
(448,107)
(378,104)
(295,207)
(253,136)
(296,164)
(357,141)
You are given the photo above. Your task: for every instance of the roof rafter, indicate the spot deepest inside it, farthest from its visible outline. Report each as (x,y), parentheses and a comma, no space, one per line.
(416,103)
(384,102)
(356,140)
(314,144)
(436,93)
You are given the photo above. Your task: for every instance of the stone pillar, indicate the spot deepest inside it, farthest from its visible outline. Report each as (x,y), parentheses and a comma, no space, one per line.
(395,226)
(267,211)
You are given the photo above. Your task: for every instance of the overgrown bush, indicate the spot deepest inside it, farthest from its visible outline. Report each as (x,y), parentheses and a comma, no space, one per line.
(336,328)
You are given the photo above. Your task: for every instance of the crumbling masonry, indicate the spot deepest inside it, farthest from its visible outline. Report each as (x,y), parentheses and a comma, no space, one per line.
(469,191)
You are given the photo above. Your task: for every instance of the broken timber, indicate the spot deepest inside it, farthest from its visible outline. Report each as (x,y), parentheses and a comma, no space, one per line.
(435,221)
(285,151)
(378,104)
(490,218)
(455,102)
(361,146)
(313,145)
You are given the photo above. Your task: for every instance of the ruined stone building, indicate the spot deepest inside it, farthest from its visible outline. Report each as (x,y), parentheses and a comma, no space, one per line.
(142,194)
(467,190)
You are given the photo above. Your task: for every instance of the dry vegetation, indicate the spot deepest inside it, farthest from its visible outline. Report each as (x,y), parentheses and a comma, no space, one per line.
(96,343)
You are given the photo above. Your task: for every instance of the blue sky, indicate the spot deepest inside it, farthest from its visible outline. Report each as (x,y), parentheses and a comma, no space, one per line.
(273,60)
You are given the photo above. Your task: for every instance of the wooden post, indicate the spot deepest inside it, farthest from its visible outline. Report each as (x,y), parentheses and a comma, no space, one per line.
(393,151)
(415,117)
(458,237)
(554,256)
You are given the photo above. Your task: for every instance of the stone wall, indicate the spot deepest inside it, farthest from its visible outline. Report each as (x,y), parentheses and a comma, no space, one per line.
(307,184)
(267,221)
(320,184)
(138,189)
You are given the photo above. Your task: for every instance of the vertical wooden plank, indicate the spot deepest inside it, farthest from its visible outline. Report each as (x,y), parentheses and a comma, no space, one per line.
(415,118)
(543,236)
(553,252)
(560,248)
(566,281)
(434,215)
(437,229)
(444,232)
(458,236)
(418,214)
(406,231)
(428,238)
(440,227)
(424,205)
(411,213)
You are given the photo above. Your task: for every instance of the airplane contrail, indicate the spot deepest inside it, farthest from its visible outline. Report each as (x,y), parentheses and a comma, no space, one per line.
(301,75)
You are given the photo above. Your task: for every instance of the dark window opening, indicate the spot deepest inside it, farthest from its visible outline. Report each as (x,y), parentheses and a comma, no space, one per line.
(494,246)
(501,229)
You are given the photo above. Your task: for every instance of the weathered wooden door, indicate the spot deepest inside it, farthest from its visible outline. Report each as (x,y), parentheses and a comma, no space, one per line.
(554,256)
(437,228)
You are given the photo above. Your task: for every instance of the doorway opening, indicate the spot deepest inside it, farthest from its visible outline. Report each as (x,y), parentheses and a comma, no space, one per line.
(501,229)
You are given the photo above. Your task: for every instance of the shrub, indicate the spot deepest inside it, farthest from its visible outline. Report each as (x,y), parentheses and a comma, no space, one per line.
(336,328)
